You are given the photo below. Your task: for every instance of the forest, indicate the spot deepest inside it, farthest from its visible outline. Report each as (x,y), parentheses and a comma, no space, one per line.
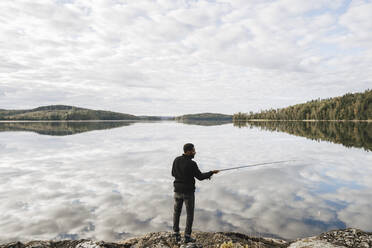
(356,106)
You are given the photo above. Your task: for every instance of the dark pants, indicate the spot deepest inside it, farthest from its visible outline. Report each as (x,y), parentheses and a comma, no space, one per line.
(189,200)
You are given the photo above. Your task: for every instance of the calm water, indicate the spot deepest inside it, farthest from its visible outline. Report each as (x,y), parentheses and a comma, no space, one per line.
(110,181)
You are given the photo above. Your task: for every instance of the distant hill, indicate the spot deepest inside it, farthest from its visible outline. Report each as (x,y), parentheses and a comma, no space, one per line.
(357,106)
(64,112)
(204,117)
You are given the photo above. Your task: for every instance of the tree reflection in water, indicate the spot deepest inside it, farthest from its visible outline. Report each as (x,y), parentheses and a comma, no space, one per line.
(61,128)
(349,134)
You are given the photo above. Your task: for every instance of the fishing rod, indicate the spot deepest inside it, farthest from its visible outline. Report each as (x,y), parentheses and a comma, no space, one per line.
(253,165)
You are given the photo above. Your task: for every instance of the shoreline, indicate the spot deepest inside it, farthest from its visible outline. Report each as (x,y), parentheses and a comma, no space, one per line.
(350,237)
(269,120)
(168,120)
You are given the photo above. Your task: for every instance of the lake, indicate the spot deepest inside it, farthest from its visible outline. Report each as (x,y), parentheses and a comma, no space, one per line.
(112,180)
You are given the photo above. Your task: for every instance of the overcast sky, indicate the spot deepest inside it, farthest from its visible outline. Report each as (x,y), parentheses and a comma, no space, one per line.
(169,57)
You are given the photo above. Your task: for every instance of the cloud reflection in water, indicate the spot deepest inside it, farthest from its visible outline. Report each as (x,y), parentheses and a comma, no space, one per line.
(116,183)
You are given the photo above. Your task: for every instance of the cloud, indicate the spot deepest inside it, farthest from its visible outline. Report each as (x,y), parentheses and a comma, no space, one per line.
(357,21)
(113,51)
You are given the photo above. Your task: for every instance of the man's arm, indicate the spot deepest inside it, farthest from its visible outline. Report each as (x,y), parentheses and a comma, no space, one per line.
(173,174)
(199,175)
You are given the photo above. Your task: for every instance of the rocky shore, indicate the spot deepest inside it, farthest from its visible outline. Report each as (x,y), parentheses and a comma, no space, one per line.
(338,238)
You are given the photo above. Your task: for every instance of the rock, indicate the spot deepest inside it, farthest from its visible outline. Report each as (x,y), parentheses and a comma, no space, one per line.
(13,245)
(88,244)
(191,245)
(364,245)
(313,243)
(350,237)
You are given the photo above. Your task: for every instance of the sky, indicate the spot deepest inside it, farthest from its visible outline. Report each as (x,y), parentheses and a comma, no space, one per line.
(170,57)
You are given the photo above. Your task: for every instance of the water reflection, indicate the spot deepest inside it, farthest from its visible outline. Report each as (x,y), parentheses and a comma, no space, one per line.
(349,134)
(204,122)
(116,183)
(61,128)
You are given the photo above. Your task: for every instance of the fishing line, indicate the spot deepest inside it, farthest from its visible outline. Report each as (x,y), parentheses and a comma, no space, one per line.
(254,165)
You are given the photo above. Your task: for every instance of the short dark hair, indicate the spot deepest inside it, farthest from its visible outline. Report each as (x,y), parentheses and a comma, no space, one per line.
(188,147)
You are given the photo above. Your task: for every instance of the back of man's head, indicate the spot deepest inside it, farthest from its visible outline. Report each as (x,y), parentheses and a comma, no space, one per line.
(188,147)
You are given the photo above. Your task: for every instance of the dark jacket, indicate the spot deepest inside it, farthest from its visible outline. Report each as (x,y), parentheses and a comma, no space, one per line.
(184,170)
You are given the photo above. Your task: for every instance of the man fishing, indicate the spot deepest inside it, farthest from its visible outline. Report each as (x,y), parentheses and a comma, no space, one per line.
(184,170)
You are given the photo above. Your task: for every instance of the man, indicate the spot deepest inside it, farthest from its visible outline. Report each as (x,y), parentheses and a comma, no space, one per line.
(184,170)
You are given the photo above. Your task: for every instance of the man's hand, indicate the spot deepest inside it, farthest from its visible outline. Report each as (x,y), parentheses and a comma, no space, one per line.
(213,172)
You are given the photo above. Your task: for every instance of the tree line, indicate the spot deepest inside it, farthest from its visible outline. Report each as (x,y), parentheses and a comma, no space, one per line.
(356,106)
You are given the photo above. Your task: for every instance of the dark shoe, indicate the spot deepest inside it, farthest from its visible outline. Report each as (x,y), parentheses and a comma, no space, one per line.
(188,239)
(177,236)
